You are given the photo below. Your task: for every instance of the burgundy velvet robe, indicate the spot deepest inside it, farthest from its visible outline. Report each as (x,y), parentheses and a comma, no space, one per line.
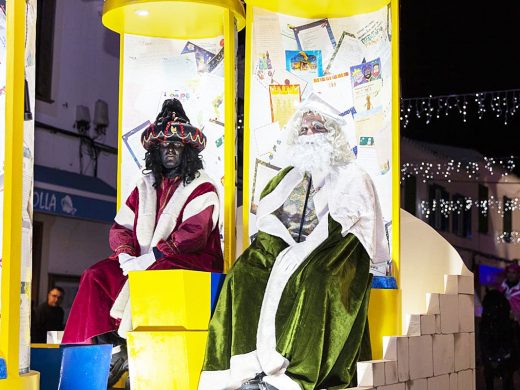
(193,244)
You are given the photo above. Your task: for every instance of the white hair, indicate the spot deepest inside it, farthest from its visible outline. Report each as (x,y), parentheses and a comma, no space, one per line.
(341,151)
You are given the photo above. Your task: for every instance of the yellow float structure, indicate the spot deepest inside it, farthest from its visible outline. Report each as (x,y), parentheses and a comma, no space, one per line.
(166,347)
(10,324)
(171,309)
(185,20)
(279,19)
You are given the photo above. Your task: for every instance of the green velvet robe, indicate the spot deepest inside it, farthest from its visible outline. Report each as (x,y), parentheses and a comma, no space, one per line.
(321,322)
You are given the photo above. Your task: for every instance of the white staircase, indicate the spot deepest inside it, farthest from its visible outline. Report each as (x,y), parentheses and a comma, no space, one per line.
(437,350)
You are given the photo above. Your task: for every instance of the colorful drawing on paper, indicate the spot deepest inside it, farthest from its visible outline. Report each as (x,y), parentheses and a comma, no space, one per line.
(263,173)
(284,99)
(303,62)
(132,141)
(335,89)
(315,34)
(348,52)
(202,56)
(216,61)
(366,72)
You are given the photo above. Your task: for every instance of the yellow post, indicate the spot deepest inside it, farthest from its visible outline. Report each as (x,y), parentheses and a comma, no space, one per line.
(158,342)
(229,139)
(201,19)
(396,161)
(12,232)
(13,183)
(120,117)
(385,305)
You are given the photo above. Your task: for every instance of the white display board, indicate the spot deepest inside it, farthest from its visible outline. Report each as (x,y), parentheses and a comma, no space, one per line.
(156,69)
(28,185)
(346,61)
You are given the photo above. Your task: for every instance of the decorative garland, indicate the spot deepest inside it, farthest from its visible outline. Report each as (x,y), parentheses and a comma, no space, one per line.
(502,104)
(453,170)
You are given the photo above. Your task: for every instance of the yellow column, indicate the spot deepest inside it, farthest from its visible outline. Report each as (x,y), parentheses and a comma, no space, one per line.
(12,222)
(385,305)
(120,117)
(12,232)
(229,139)
(396,163)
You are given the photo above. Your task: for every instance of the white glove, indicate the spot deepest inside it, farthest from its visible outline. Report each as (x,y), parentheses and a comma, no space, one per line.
(290,260)
(138,263)
(123,258)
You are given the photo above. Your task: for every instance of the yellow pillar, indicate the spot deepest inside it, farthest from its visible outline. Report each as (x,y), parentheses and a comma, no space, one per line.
(162,340)
(12,208)
(195,19)
(385,305)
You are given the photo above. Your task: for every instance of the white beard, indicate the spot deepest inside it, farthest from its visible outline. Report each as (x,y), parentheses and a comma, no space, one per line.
(310,153)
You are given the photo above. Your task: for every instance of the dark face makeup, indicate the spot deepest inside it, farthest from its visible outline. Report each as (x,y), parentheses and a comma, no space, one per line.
(171,154)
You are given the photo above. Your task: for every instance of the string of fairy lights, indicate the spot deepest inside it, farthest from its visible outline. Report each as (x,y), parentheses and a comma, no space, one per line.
(459,206)
(447,207)
(448,171)
(502,104)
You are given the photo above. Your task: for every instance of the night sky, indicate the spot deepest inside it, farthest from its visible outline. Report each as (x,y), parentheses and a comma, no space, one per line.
(457,47)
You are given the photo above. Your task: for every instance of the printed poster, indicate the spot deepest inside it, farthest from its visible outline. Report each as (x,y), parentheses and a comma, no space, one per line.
(345,61)
(284,99)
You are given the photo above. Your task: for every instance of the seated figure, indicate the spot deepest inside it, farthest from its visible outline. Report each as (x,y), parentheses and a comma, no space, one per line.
(169,221)
(292,313)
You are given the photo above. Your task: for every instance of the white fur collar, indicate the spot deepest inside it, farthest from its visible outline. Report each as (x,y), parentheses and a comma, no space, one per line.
(148,235)
(351,200)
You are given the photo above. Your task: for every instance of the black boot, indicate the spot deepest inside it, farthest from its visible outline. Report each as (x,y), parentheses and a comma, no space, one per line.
(257,383)
(118,365)
(253,384)
(267,386)
(119,362)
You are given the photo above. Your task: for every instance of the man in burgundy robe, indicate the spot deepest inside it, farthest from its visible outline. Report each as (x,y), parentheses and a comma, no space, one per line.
(169,221)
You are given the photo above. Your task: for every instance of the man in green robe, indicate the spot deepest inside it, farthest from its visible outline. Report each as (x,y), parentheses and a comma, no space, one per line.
(292,313)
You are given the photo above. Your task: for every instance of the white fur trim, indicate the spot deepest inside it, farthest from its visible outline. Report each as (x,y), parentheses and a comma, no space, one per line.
(200,203)
(282,381)
(348,194)
(146,212)
(286,263)
(272,201)
(118,308)
(168,218)
(354,203)
(242,368)
(121,309)
(147,236)
(125,217)
(125,325)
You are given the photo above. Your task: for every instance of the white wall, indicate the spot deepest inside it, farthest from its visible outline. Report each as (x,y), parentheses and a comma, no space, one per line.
(70,246)
(85,68)
(421,245)
(486,243)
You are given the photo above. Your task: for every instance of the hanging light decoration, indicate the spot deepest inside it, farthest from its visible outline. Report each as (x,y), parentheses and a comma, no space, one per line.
(457,170)
(501,104)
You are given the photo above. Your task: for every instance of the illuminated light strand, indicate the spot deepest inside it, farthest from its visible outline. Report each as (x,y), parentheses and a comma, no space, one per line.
(449,170)
(501,104)
(509,238)
(447,207)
